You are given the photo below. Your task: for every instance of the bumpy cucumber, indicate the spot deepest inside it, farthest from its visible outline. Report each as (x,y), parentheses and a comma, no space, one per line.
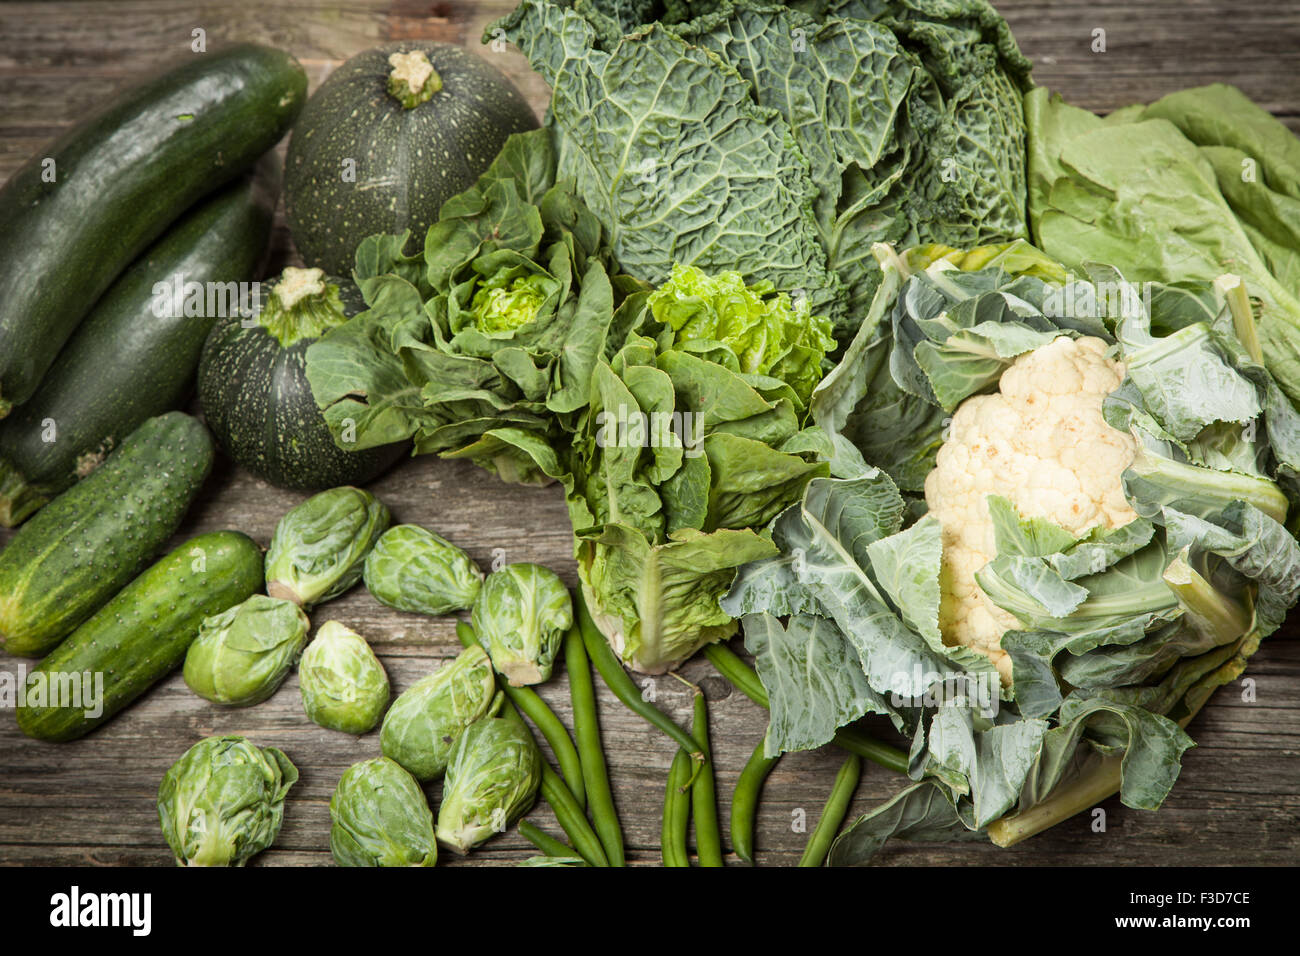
(139,636)
(78,551)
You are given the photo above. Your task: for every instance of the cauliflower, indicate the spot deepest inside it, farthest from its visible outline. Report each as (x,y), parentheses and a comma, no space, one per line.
(1041,443)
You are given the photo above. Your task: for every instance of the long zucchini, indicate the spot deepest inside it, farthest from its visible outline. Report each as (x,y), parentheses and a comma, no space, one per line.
(68,560)
(135,355)
(139,636)
(81,210)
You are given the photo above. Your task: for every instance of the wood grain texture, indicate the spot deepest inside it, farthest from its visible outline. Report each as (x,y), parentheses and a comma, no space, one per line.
(92,801)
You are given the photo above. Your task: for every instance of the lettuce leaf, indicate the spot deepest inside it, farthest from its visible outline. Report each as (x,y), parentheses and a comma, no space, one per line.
(1197,184)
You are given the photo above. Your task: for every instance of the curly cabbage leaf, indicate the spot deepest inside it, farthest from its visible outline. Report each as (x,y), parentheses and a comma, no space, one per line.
(784,140)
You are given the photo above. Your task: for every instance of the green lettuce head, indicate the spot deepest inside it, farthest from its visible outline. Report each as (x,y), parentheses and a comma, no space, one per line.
(492,780)
(223,802)
(759,326)
(243,654)
(481,347)
(344,687)
(379,817)
(425,720)
(507,301)
(682,456)
(319,546)
(520,617)
(413,569)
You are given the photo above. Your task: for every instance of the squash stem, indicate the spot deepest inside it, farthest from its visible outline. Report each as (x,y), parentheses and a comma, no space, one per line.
(413,80)
(302,305)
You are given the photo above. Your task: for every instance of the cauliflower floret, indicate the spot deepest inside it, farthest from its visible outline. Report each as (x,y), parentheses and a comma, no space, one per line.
(1041,443)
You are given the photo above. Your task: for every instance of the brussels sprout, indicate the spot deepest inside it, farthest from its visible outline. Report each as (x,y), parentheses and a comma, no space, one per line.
(492,778)
(223,802)
(319,547)
(424,722)
(379,817)
(343,685)
(521,615)
(412,569)
(244,653)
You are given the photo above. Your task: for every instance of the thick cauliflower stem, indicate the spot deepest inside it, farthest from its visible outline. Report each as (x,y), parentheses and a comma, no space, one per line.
(1041,443)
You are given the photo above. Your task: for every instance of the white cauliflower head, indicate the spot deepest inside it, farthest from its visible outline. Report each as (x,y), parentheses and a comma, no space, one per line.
(1040,442)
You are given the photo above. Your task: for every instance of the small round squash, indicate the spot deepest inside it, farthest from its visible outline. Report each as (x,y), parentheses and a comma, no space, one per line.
(255,395)
(389,137)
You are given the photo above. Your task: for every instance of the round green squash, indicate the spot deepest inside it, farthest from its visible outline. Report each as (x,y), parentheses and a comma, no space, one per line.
(254,391)
(389,137)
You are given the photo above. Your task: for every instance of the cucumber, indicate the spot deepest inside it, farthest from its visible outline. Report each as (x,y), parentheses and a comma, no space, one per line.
(139,636)
(63,564)
(127,362)
(82,209)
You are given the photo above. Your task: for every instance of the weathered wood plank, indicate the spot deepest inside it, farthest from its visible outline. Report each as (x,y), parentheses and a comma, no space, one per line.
(91,801)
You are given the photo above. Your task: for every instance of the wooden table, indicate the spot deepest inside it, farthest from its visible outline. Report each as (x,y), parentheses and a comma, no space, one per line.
(92,801)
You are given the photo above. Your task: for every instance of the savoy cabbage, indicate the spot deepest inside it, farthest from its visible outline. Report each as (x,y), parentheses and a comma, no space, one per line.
(784,140)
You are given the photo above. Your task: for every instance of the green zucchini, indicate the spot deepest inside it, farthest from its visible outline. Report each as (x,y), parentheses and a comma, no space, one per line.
(139,636)
(135,355)
(82,209)
(63,564)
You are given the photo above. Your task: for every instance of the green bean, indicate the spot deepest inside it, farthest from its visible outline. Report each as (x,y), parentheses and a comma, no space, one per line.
(544,841)
(623,687)
(743,677)
(567,811)
(586,726)
(733,667)
(704,798)
(677,812)
(571,818)
(863,745)
(837,805)
(536,709)
(744,801)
